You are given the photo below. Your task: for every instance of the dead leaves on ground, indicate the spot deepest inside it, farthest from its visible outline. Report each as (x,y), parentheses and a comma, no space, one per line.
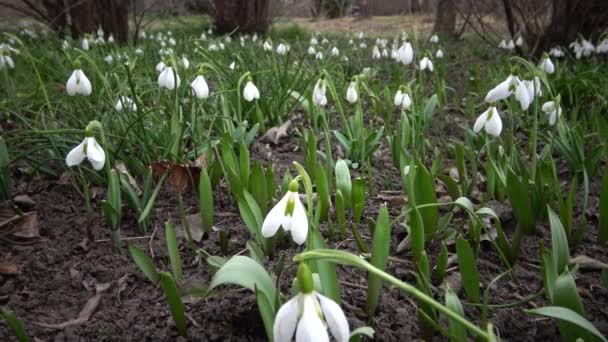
(18,228)
(275,134)
(180,174)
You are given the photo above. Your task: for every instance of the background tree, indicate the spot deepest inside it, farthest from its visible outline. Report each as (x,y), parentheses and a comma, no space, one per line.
(445,18)
(241,15)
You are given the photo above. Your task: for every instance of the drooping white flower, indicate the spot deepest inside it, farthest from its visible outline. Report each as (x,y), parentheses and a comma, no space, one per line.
(99,31)
(167,79)
(405,54)
(439,54)
(351,93)
(311,50)
(172,41)
(434,39)
(511,86)
(89,149)
(288,213)
(109,59)
(384,53)
(65,44)
(139,51)
(602,47)
(78,84)
(84,44)
(309,315)
(325,41)
(6,61)
(111,39)
(363,46)
(402,99)
(250,92)
(267,45)
(199,86)
(313,41)
(334,52)
(519,41)
(510,45)
(232,65)
(553,110)
(282,49)
(319,55)
(376,53)
(490,121)
(547,65)
(184,62)
(319,96)
(160,66)
(425,64)
(125,102)
(557,52)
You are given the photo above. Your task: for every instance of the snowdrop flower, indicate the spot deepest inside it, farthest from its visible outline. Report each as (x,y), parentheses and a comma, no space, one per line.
(384,53)
(290,214)
(109,59)
(160,66)
(139,51)
(351,42)
(199,86)
(313,41)
(439,54)
(111,39)
(232,65)
(167,79)
(172,41)
(511,86)
(362,46)
(99,31)
(490,121)
(557,52)
(602,47)
(89,149)
(335,52)
(65,44)
(311,50)
(376,53)
(519,41)
(405,54)
(142,34)
(510,45)
(502,44)
(319,96)
(282,49)
(434,39)
(425,64)
(325,41)
(553,110)
(403,99)
(309,314)
(84,44)
(78,84)
(125,102)
(6,61)
(533,87)
(351,93)
(546,64)
(267,46)
(250,92)
(213,47)
(184,62)
(361,35)
(319,55)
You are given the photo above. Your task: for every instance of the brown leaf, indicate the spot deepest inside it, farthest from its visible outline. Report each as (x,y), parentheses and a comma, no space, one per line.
(65,178)
(274,134)
(8,267)
(395,201)
(179,174)
(25,202)
(588,263)
(86,312)
(27,227)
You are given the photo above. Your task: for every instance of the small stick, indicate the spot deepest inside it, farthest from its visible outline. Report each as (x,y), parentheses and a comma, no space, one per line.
(151,240)
(124,238)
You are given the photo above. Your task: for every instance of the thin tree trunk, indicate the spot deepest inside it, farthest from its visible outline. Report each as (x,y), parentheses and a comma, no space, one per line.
(445,18)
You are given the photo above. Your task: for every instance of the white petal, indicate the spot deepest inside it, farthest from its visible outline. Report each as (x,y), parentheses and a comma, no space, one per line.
(335,318)
(299,222)
(406,101)
(493,125)
(501,91)
(84,87)
(70,86)
(95,154)
(310,328)
(548,107)
(286,321)
(521,94)
(481,121)
(76,155)
(553,117)
(398,98)
(275,217)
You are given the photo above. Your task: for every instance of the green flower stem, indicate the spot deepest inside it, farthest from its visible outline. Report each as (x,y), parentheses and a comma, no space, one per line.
(354,260)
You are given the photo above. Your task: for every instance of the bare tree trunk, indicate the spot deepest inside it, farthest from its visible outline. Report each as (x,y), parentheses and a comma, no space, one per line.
(445,18)
(364,9)
(242,15)
(113,17)
(81,13)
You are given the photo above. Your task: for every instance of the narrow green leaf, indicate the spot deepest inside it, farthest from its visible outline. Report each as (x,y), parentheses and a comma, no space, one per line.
(380,251)
(205,193)
(468,269)
(424,187)
(358,198)
(144,263)
(150,204)
(326,269)
(603,211)
(175,302)
(441,264)
(458,332)
(267,312)
(417,238)
(322,192)
(565,294)
(559,242)
(341,213)
(519,196)
(567,315)
(343,181)
(15,324)
(173,249)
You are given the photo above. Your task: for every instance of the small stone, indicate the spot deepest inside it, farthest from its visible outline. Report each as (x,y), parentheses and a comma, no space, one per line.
(24,202)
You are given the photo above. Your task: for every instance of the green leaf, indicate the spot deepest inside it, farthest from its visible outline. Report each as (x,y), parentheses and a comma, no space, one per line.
(246,272)
(150,204)
(424,188)
(567,315)
(441,264)
(416,234)
(144,263)
(341,213)
(267,312)
(468,269)
(326,269)
(257,187)
(175,302)
(322,192)
(565,294)
(343,181)
(358,198)
(363,331)
(15,324)
(307,184)
(458,332)
(519,196)
(173,249)
(205,197)
(559,242)
(380,251)
(603,211)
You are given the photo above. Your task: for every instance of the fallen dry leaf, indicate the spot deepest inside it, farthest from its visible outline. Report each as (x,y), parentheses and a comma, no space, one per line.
(8,267)
(196,228)
(179,174)
(27,226)
(395,201)
(274,134)
(122,170)
(86,312)
(588,263)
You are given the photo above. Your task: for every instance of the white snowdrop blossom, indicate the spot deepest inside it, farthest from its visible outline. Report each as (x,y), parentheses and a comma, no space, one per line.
(250,92)
(319,56)
(490,121)
(78,84)
(139,51)
(519,41)
(309,315)
(547,65)
(232,65)
(288,213)
(267,45)
(199,86)
(553,110)
(111,39)
(439,54)
(89,149)
(602,47)
(351,93)
(426,64)
(311,50)
(184,62)
(109,59)
(160,66)
(84,44)
(402,99)
(6,61)
(557,52)
(125,102)
(434,39)
(376,52)
(405,54)
(511,86)
(319,96)
(335,52)
(282,49)
(167,79)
